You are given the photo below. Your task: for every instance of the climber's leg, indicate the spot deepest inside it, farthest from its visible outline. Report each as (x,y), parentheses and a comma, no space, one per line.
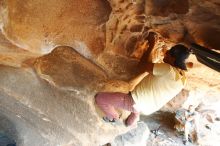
(108,101)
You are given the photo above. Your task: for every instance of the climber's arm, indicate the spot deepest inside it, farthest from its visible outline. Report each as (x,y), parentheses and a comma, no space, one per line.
(147,69)
(136,80)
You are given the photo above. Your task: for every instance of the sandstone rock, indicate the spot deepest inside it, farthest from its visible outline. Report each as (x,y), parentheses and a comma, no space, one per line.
(56,116)
(202,23)
(66,68)
(137,136)
(117,27)
(108,41)
(39,26)
(166,7)
(184,21)
(127,23)
(12,55)
(117,66)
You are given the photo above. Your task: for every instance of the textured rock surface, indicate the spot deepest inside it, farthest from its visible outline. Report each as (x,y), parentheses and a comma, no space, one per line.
(49,100)
(137,136)
(12,55)
(42,114)
(66,68)
(179,21)
(38,26)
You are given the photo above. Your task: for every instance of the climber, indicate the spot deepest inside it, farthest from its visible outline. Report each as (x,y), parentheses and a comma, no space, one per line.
(149,92)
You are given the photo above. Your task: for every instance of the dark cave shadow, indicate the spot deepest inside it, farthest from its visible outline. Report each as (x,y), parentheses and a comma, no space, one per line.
(8,132)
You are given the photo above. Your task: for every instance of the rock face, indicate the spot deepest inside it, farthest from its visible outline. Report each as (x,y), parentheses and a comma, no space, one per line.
(66,68)
(12,55)
(136,136)
(42,114)
(56,55)
(38,26)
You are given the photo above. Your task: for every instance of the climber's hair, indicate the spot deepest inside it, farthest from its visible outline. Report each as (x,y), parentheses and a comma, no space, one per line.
(180,53)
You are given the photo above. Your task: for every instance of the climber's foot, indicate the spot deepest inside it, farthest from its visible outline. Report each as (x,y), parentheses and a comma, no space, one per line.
(106,119)
(132,119)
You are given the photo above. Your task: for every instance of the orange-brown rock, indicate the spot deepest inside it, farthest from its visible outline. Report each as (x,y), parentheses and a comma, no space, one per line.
(12,55)
(39,26)
(83,47)
(66,68)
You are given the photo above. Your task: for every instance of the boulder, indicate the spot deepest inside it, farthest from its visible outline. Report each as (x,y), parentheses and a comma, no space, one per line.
(137,136)
(44,114)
